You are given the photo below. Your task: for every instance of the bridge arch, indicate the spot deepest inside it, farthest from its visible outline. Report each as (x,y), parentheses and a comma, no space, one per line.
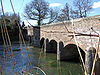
(70,52)
(53,46)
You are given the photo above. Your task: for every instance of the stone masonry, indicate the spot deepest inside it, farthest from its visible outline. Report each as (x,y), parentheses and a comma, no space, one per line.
(87,31)
(59,33)
(60,36)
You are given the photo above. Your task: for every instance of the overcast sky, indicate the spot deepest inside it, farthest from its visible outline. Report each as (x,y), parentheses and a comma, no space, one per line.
(20,4)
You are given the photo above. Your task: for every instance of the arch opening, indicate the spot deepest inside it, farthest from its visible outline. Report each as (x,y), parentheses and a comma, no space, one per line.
(70,52)
(52,46)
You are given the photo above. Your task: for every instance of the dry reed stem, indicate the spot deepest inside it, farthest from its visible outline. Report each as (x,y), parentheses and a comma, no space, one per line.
(8,36)
(20,32)
(1,70)
(73,31)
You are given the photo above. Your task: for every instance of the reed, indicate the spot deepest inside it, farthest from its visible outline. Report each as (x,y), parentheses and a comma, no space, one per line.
(8,36)
(1,71)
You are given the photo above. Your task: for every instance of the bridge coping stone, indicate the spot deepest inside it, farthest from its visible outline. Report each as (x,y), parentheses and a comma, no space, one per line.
(74,20)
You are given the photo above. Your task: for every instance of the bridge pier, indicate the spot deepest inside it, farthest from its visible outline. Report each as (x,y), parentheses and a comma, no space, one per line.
(58,52)
(88,61)
(46,45)
(59,48)
(90,54)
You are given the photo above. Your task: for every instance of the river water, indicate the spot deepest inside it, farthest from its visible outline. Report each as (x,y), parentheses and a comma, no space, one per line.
(46,61)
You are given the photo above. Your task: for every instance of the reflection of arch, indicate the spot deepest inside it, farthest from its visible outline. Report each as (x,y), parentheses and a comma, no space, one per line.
(70,52)
(42,43)
(53,46)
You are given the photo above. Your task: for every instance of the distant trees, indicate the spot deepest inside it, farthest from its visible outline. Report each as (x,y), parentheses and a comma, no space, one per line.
(11,24)
(39,10)
(52,16)
(80,9)
(74,13)
(65,15)
(82,6)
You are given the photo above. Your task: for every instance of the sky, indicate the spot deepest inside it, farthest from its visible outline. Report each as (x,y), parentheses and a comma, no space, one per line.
(19,6)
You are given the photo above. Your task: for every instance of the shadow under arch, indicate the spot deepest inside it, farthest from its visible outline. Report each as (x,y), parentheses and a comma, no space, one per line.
(61,45)
(70,53)
(52,46)
(46,45)
(42,42)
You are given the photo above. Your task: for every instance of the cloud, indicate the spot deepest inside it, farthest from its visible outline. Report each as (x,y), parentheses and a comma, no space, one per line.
(92,12)
(30,22)
(55,4)
(96,4)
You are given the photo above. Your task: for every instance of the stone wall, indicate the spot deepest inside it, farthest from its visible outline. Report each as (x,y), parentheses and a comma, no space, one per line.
(36,36)
(59,37)
(61,32)
(58,31)
(30,31)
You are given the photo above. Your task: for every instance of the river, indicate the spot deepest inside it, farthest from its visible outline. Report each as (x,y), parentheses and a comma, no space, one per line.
(46,61)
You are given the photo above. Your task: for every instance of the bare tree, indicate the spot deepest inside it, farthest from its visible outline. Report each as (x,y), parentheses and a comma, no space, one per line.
(53,14)
(87,6)
(74,13)
(83,6)
(39,10)
(65,14)
(66,11)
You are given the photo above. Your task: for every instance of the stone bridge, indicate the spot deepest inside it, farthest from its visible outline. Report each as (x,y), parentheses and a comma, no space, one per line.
(58,37)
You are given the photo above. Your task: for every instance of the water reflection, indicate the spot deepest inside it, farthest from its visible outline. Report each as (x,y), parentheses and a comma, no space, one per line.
(47,62)
(6,58)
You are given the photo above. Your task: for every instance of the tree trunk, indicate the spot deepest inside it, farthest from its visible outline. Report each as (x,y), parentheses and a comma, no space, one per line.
(39,23)
(85,13)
